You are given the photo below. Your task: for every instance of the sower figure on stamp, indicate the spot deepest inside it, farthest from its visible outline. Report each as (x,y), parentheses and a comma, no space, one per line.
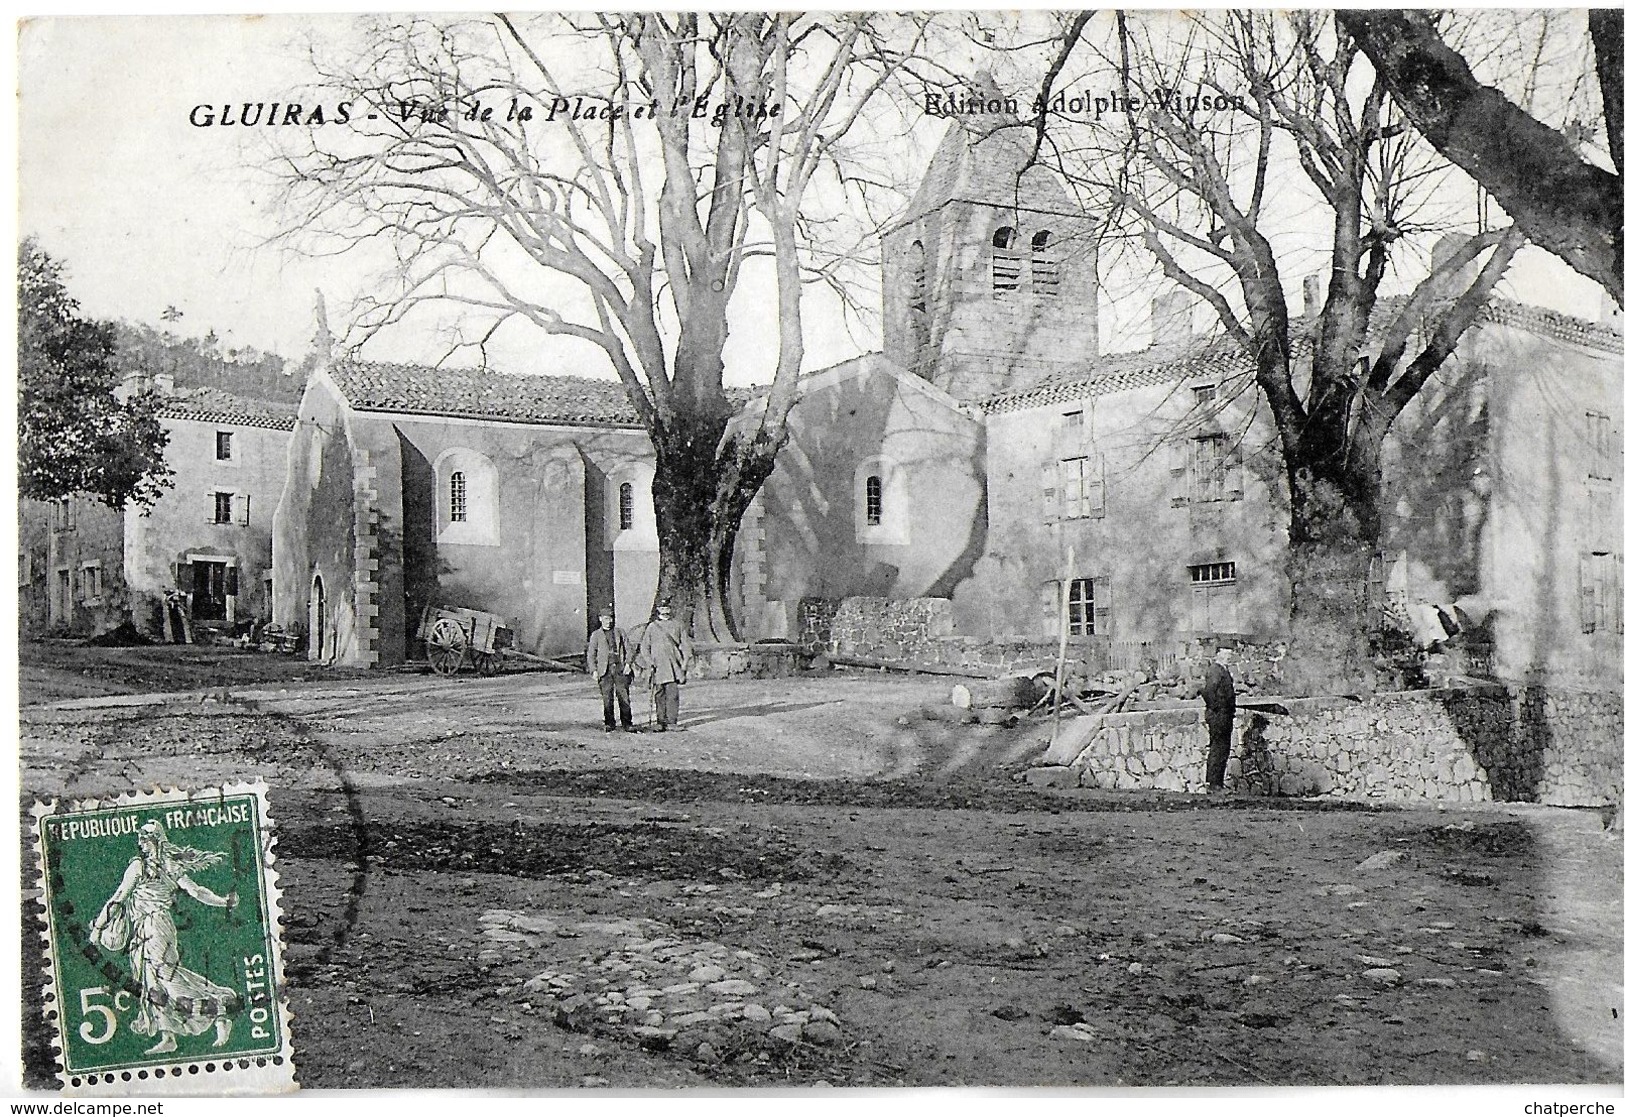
(664,654)
(609,662)
(137,920)
(1219,696)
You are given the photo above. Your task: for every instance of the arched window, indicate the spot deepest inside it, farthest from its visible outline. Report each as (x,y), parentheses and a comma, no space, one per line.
(465,499)
(459,497)
(626,506)
(1046,269)
(1006,264)
(880,502)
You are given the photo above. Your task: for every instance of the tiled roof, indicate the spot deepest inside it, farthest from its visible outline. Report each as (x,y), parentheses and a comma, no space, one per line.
(1222,358)
(1561,327)
(483,394)
(1204,358)
(212,405)
(981,167)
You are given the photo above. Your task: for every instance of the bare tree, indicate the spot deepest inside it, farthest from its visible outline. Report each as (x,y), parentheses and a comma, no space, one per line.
(660,155)
(1205,187)
(1567,205)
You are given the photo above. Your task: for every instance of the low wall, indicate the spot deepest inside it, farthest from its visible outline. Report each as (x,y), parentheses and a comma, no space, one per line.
(755,661)
(1528,744)
(920,631)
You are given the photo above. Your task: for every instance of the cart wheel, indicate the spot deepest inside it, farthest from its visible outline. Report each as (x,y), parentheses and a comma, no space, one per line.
(487,663)
(447,644)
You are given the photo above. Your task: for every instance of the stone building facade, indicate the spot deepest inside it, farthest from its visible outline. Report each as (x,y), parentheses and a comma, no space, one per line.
(406,487)
(85,568)
(878,493)
(1158,473)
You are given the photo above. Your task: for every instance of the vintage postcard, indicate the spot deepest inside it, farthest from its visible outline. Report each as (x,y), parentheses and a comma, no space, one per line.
(147,996)
(1065,549)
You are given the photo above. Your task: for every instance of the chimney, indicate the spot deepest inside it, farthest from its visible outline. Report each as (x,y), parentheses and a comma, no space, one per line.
(1171,322)
(1311,298)
(131,385)
(163,383)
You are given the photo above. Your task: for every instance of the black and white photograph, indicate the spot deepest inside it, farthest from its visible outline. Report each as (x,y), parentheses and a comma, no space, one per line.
(770,555)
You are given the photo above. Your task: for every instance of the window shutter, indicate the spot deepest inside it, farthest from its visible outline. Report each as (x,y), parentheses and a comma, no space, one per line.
(1232,472)
(1097,484)
(1050,594)
(239,508)
(1588,597)
(1103,606)
(208,507)
(186,577)
(1616,592)
(1184,459)
(1051,497)
(231,578)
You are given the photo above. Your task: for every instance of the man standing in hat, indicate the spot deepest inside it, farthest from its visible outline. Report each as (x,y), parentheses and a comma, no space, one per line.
(1219,696)
(664,654)
(609,662)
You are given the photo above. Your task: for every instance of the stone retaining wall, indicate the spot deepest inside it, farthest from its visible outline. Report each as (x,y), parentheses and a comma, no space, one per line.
(1530,744)
(921,631)
(755,661)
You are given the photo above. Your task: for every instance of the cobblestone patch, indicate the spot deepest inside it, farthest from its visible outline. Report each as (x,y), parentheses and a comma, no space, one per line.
(641,981)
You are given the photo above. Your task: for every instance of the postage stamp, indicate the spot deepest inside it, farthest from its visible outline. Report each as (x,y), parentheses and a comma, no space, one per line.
(163,942)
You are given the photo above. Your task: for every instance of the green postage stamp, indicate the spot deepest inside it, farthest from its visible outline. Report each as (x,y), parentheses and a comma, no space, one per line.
(163,943)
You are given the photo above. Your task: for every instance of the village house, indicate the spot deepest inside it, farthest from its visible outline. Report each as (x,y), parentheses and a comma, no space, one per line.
(1157,475)
(85,568)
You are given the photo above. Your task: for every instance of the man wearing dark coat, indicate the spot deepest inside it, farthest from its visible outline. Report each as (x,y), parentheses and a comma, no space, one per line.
(1219,696)
(609,662)
(664,654)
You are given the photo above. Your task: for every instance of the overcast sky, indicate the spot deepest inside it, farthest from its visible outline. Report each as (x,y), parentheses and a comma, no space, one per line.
(148,211)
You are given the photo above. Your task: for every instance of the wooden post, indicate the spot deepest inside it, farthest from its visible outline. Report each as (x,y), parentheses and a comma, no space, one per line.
(1060,658)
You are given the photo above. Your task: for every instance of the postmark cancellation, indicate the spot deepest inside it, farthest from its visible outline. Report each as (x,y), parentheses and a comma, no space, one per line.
(163,942)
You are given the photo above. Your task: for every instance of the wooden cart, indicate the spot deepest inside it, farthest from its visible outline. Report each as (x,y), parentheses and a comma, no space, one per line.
(483,641)
(455,637)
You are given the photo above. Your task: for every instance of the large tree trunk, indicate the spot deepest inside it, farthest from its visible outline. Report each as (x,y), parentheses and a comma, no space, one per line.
(703,484)
(1331,543)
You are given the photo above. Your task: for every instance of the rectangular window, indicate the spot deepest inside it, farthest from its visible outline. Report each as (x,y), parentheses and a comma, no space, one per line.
(1075,494)
(222,508)
(62,514)
(1602,529)
(1088,607)
(90,582)
(1600,442)
(1205,394)
(1213,572)
(222,446)
(1208,469)
(1601,606)
(1213,597)
(1082,488)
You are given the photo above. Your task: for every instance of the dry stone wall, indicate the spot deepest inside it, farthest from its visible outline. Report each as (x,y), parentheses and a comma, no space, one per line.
(1528,744)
